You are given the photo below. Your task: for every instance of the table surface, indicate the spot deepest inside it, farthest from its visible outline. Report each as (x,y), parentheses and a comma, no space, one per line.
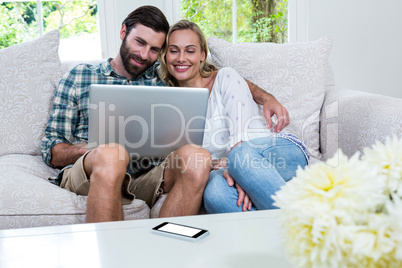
(249,239)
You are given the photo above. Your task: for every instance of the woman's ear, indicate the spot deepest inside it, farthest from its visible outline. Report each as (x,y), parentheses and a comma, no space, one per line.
(203,56)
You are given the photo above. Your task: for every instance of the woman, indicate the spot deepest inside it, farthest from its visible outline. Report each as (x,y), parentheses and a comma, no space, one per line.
(258,160)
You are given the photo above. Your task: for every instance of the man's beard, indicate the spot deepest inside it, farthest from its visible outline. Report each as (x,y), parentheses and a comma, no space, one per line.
(127,58)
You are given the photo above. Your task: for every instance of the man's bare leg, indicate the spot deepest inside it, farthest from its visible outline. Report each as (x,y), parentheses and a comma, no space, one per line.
(185,178)
(106,167)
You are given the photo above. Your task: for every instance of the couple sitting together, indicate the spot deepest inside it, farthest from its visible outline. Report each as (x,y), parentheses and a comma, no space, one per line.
(240,176)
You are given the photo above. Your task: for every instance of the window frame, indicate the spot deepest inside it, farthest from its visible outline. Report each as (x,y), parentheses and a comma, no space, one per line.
(297,20)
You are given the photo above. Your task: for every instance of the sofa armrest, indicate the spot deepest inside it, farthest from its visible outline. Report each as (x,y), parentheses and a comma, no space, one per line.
(352,120)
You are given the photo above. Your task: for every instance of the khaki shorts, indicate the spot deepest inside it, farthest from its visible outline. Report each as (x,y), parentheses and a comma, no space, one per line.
(146,187)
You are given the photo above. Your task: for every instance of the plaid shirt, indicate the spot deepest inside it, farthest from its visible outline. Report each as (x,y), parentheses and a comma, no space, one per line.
(68,122)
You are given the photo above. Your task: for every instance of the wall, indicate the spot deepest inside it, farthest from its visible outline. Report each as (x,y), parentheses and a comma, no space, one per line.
(367,42)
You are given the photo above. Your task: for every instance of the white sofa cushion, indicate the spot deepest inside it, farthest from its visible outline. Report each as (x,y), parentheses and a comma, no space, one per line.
(295,73)
(27,199)
(29,73)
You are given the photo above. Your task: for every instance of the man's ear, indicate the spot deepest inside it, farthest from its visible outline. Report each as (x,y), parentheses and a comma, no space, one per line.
(123,31)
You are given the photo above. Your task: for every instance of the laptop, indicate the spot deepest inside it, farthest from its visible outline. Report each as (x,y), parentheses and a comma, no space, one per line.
(149,121)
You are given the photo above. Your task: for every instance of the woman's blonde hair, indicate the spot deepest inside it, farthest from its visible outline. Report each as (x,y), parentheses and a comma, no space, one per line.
(206,68)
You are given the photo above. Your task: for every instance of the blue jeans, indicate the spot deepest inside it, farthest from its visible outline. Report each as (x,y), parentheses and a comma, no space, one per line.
(260,166)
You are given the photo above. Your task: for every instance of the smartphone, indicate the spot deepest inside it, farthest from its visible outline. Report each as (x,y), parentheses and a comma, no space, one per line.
(180,231)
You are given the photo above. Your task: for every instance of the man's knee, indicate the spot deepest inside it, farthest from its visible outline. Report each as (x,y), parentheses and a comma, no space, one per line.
(193,162)
(110,154)
(108,159)
(193,158)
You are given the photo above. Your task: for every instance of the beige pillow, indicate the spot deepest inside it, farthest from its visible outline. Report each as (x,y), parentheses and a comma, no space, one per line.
(29,73)
(295,73)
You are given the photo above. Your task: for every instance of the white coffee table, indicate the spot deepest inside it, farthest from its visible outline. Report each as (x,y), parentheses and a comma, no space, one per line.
(249,239)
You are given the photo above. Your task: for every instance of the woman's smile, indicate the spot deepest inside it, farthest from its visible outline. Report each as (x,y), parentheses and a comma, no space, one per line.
(182,68)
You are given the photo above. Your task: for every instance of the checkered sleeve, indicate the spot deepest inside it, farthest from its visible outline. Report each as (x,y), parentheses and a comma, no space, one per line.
(63,117)
(153,76)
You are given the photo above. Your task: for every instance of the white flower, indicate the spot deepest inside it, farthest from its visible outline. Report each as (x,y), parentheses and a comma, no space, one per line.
(388,158)
(328,214)
(369,244)
(394,209)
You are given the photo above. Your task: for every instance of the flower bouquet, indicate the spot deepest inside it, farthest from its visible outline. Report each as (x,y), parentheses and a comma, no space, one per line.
(345,212)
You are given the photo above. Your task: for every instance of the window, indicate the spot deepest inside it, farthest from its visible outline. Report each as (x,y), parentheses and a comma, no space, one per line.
(241,20)
(82,36)
(77,22)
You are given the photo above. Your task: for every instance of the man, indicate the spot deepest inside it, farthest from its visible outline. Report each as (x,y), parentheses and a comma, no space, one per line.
(100,173)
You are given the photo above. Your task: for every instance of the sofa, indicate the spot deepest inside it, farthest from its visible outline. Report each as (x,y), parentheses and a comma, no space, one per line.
(298,74)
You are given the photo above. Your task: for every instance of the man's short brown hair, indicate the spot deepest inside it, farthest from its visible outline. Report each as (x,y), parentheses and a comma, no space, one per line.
(148,16)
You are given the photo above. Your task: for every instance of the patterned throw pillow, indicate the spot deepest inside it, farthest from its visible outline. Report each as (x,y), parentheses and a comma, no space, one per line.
(29,73)
(295,73)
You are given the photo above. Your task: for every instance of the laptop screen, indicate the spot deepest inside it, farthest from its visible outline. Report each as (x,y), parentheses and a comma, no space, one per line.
(148,121)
